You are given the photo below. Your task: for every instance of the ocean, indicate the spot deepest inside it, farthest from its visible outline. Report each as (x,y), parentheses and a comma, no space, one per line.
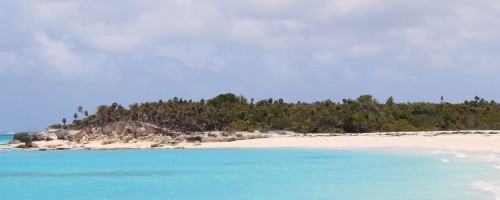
(280,173)
(4,138)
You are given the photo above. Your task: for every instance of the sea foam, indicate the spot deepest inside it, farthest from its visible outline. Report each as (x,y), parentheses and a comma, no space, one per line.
(461,155)
(489,187)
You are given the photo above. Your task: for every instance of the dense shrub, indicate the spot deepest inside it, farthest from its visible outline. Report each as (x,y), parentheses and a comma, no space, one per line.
(228,112)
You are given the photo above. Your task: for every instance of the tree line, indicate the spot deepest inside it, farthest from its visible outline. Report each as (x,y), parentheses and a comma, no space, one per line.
(229,112)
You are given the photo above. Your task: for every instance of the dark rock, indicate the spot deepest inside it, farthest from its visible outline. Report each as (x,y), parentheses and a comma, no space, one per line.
(39,137)
(116,131)
(196,138)
(180,138)
(79,136)
(155,145)
(24,137)
(22,146)
(27,145)
(14,142)
(173,142)
(61,135)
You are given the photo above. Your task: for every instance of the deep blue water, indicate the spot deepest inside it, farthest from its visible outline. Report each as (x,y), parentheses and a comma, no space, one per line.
(237,174)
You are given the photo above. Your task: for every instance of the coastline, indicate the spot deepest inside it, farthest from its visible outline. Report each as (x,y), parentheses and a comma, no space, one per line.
(450,140)
(472,142)
(449,147)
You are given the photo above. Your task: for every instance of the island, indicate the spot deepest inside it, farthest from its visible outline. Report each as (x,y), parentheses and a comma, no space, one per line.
(231,121)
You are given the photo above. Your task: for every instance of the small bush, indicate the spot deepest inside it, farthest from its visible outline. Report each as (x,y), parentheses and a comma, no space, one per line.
(240,136)
(213,135)
(107,142)
(194,138)
(155,145)
(55,126)
(180,138)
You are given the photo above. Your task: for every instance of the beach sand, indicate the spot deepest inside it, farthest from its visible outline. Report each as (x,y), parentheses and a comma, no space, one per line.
(472,141)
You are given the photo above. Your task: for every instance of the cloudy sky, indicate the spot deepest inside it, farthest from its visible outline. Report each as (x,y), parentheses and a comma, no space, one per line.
(58,55)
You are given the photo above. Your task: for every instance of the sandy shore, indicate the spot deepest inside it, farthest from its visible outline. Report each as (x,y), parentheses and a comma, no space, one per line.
(475,142)
(472,145)
(471,141)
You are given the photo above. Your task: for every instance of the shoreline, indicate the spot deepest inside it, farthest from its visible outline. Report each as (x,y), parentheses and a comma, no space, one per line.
(448,147)
(474,142)
(449,140)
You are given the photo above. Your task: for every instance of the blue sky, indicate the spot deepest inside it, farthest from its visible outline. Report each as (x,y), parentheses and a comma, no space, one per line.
(58,55)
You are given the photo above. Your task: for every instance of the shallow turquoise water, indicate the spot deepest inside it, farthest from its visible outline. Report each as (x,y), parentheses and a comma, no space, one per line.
(4,138)
(237,174)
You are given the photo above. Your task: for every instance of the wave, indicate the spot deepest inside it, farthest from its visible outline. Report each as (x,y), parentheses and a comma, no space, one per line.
(458,154)
(489,187)
(488,157)
(461,155)
(444,160)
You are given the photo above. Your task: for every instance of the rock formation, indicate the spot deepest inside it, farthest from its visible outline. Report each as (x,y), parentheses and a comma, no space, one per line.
(128,132)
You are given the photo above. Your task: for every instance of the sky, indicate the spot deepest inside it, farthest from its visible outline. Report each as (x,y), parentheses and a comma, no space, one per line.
(58,55)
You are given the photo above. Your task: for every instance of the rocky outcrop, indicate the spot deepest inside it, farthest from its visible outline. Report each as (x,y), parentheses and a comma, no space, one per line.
(23,137)
(27,139)
(130,132)
(27,145)
(31,137)
(124,132)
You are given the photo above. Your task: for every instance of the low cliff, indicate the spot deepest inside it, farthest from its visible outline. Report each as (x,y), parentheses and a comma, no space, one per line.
(129,132)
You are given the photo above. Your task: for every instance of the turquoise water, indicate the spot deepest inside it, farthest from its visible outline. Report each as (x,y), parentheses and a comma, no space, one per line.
(237,174)
(4,138)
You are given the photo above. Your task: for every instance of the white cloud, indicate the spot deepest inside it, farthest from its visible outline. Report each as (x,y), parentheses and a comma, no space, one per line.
(194,56)
(51,11)
(8,61)
(364,50)
(391,74)
(432,41)
(148,24)
(442,60)
(290,37)
(312,49)
(293,25)
(347,7)
(477,62)
(247,30)
(326,57)
(57,55)
(477,25)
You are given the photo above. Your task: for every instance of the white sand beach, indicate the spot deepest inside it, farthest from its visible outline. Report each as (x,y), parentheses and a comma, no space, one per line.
(472,142)
(467,141)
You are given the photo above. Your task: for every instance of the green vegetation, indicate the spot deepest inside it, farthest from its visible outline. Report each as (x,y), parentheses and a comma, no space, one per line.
(228,112)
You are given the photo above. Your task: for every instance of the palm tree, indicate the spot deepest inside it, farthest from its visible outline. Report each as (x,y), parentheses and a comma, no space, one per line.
(64,122)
